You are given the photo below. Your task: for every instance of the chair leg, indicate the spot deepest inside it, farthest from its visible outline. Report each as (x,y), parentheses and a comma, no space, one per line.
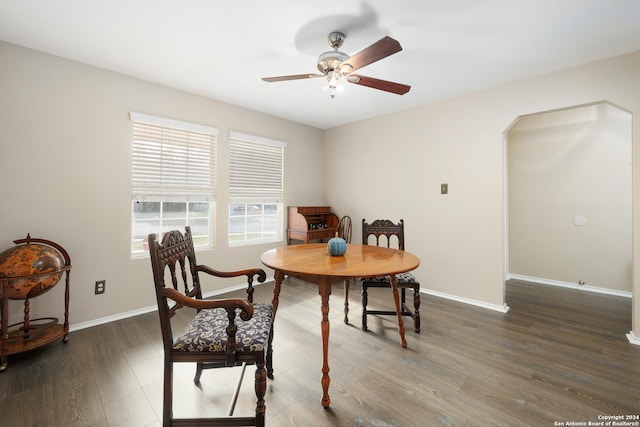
(270,354)
(199,368)
(416,305)
(167,405)
(346,301)
(261,389)
(365,298)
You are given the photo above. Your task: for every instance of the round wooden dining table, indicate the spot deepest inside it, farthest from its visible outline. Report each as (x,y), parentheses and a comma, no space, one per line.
(312,263)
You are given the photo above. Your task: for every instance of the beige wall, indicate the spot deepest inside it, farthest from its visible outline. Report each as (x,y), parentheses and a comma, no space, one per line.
(65,135)
(65,166)
(460,237)
(564,166)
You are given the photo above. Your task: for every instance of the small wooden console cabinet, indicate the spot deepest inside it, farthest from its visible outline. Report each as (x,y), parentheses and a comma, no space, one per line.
(308,223)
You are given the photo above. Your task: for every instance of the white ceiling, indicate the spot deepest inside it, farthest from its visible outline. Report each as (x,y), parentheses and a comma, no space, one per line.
(222,49)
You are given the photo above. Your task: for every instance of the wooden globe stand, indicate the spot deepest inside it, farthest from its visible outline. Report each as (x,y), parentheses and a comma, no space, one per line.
(32,333)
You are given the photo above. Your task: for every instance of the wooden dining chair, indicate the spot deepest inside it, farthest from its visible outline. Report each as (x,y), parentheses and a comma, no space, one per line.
(345,228)
(383,232)
(222,333)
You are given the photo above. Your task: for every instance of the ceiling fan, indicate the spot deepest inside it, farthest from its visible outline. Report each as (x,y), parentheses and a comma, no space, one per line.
(335,65)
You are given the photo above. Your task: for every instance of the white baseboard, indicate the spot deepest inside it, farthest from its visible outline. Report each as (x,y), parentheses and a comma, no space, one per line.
(113,318)
(569,285)
(633,339)
(501,308)
(154,307)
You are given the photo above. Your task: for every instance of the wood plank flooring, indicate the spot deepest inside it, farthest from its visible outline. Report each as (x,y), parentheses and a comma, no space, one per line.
(557,356)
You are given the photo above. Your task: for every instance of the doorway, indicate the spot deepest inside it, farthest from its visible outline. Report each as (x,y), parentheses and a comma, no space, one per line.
(569,198)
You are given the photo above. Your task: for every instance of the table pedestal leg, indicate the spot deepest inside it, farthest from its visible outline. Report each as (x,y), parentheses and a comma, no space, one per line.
(325,290)
(396,298)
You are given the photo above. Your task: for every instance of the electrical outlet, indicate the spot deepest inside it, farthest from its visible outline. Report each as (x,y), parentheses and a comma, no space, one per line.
(100,286)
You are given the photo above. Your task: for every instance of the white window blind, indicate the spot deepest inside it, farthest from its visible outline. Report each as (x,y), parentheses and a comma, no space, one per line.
(256,168)
(172,158)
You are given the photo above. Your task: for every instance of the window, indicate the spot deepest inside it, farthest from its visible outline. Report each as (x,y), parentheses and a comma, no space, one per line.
(173,172)
(255,189)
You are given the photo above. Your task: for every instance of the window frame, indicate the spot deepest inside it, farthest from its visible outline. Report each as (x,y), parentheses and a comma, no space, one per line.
(172,162)
(253,181)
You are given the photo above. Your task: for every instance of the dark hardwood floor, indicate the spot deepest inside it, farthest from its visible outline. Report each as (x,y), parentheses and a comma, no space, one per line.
(557,356)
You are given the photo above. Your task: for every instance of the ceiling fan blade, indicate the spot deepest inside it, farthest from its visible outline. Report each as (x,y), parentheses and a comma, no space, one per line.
(381,49)
(292,77)
(384,85)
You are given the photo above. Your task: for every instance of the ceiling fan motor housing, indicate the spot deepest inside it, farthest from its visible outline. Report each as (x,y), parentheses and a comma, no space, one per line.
(331,60)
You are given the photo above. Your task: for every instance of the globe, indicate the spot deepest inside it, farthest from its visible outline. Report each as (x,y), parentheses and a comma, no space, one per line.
(31,269)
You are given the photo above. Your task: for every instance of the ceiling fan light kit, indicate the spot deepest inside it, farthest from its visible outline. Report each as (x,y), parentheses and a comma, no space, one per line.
(334,65)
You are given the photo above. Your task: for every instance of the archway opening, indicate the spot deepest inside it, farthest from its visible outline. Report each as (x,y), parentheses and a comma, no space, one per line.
(569,198)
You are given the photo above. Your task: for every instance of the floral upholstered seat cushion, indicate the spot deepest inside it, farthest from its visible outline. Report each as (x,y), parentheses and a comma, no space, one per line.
(402,278)
(207,331)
